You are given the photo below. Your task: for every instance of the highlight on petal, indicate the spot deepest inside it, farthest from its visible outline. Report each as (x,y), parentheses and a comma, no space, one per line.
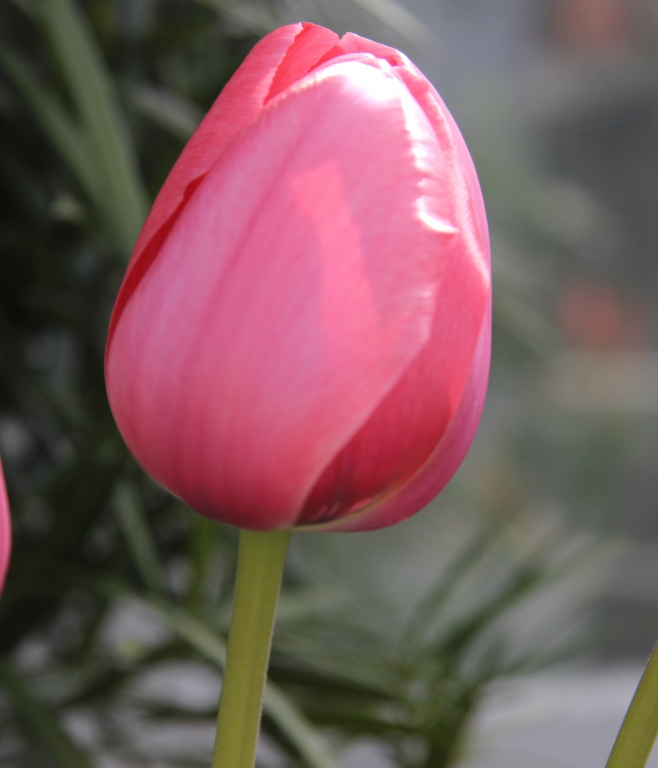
(440,118)
(409,423)
(294,290)
(5,530)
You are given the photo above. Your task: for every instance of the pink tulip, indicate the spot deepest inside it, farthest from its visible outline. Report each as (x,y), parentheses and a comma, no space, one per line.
(302,336)
(5,530)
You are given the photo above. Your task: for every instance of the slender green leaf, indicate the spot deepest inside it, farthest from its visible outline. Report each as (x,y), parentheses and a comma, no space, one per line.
(171,112)
(430,606)
(54,121)
(535,572)
(41,721)
(204,541)
(517,316)
(138,536)
(251,16)
(276,704)
(522,581)
(402,20)
(94,94)
(205,641)
(28,7)
(291,721)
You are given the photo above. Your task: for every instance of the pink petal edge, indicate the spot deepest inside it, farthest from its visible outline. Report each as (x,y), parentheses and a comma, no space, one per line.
(5,530)
(237,106)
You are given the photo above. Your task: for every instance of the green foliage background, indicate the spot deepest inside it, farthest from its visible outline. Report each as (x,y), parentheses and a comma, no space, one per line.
(96,100)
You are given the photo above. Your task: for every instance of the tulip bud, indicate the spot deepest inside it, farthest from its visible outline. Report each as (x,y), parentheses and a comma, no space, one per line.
(5,530)
(302,335)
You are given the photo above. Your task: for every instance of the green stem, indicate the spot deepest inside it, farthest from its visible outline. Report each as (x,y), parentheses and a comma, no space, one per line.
(640,727)
(258,581)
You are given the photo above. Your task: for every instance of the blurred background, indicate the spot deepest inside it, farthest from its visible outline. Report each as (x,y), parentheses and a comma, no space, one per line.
(508,623)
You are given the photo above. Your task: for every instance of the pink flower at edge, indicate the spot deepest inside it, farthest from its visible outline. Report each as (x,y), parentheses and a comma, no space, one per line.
(5,530)
(302,336)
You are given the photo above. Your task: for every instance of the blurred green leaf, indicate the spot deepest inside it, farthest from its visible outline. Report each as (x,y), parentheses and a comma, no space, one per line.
(124,197)
(400,19)
(203,552)
(276,704)
(252,16)
(42,721)
(84,515)
(55,122)
(516,315)
(28,7)
(164,108)
(430,606)
(139,537)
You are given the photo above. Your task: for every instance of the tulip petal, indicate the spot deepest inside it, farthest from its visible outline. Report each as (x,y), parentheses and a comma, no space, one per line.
(439,116)
(433,476)
(466,191)
(5,530)
(283,306)
(351,43)
(302,56)
(411,421)
(236,107)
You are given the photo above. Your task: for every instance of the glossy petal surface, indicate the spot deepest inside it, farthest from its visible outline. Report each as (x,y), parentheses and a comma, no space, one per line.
(296,287)
(409,424)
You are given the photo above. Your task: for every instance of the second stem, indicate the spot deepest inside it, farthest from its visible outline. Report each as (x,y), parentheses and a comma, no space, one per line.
(638,731)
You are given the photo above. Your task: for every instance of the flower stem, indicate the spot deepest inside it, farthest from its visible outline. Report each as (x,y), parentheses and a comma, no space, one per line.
(260,564)
(640,727)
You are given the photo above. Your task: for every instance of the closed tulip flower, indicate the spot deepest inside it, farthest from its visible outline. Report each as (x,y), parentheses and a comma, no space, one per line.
(5,530)
(302,336)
